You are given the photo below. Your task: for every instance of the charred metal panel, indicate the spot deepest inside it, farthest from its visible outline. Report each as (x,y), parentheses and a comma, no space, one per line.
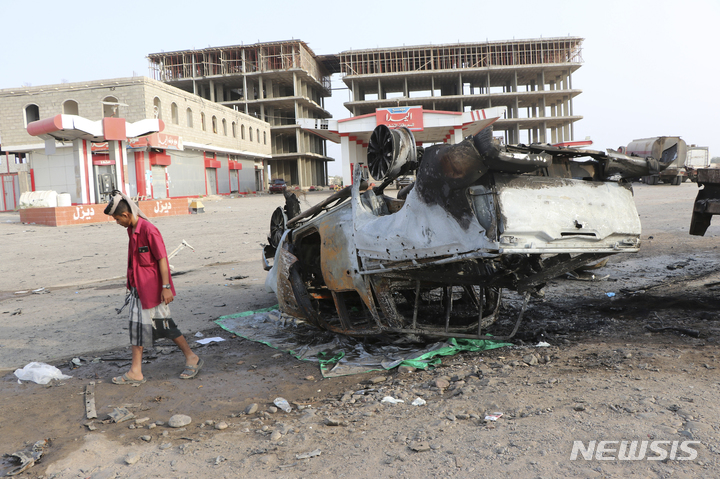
(284,260)
(541,215)
(337,258)
(416,231)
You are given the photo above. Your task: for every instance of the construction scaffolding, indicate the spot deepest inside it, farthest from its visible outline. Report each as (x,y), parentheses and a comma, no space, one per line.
(238,59)
(460,56)
(277,82)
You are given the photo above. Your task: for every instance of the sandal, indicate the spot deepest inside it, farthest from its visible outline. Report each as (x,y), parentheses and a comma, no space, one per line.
(125,379)
(191,371)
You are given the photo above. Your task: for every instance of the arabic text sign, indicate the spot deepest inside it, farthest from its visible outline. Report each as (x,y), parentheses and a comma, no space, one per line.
(81,213)
(157,140)
(411,117)
(162,207)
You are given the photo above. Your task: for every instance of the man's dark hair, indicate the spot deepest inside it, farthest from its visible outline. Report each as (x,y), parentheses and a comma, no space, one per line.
(122,207)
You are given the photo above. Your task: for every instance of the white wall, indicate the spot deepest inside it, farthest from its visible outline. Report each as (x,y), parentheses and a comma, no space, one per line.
(57,172)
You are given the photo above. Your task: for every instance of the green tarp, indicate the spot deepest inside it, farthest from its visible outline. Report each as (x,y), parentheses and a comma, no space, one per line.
(340,355)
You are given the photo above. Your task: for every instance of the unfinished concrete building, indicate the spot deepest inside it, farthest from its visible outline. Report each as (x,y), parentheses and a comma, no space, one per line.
(277,82)
(532,78)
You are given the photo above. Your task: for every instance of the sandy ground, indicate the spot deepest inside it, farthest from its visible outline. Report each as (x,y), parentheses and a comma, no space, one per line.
(604,377)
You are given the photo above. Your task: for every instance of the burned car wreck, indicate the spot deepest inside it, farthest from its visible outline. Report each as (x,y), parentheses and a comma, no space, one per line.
(480,218)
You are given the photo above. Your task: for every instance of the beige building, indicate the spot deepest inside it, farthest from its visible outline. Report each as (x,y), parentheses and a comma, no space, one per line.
(205,148)
(531,78)
(278,82)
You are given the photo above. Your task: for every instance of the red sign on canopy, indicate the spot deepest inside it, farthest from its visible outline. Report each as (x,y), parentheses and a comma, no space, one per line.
(411,117)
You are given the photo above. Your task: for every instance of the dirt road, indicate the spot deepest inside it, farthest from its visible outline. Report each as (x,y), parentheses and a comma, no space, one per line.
(606,376)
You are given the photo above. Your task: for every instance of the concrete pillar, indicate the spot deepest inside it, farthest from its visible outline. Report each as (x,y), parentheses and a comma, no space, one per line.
(212,90)
(543,132)
(381,96)
(405,89)
(261,88)
(246,97)
(220,95)
(85,184)
(457,136)
(432,85)
(118,152)
(348,158)
(354,91)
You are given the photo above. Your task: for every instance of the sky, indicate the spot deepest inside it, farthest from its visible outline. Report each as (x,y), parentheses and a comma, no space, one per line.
(650,68)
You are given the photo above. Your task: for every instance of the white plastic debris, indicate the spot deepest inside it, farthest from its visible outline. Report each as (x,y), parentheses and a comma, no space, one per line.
(610,295)
(542,344)
(210,340)
(282,404)
(308,455)
(199,335)
(391,400)
(419,402)
(39,373)
(494,416)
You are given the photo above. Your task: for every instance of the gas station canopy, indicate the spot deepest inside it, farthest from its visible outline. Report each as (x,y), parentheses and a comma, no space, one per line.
(73,127)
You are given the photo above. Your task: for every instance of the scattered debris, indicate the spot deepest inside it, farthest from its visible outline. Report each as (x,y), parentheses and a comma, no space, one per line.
(27,458)
(282,404)
(493,416)
(121,414)
(90,411)
(308,455)
(391,400)
(418,402)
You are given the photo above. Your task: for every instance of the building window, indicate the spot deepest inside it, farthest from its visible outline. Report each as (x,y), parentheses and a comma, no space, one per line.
(234,132)
(224,127)
(250,130)
(257,130)
(264,137)
(174,113)
(242,132)
(202,121)
(70,107)
(189,118)
(214,124)
(157,108)
(32,113)
(110,107)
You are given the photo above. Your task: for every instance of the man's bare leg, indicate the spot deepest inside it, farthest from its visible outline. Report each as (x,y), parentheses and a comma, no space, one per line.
(136,366)
(190,357)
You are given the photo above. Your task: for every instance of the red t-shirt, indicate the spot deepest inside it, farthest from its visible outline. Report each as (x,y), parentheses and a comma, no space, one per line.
(145,249)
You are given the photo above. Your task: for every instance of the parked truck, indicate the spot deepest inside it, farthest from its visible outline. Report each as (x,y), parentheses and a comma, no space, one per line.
(666,149)
(697,157)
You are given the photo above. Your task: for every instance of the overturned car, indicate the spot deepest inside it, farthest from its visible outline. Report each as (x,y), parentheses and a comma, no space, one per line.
(480,218)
